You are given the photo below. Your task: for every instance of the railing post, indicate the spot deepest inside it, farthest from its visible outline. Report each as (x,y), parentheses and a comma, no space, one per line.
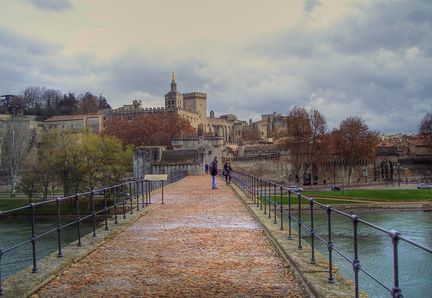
(299,222)
(281,209)
(131,197)
(261,197)
(355,262)
(274,203)
(312,231)
(289,216)
(150,188)
(265,197)
(142,191)
(78,219)
(136,193)
(254,189)
(116,203)
(105,209)
(269,200)
(162,191)
(93,213)
(330,245)
(123,196)
(60,254)
(396,291)
(1,288)
(33,235)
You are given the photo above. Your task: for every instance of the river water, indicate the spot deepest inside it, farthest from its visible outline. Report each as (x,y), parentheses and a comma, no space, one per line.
(376,250)
(14,231)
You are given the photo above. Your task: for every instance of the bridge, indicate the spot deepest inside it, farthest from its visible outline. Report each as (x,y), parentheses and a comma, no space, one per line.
(195,241)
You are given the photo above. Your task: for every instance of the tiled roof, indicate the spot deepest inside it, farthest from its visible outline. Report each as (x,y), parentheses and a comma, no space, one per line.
(71,117)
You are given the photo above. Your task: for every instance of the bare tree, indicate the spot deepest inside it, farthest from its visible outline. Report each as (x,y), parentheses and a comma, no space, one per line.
(307,139)
(297,127)
(425,128)
(16,144)
(354,141)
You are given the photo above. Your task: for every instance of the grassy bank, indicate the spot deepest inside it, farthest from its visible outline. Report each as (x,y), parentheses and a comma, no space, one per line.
(379,195)
(360,196)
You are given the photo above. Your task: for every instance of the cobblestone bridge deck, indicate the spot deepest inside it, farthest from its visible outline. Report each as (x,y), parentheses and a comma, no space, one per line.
(201,242)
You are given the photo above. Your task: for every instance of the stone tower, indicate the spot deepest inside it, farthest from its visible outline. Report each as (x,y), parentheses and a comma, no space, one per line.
(173,99)
(196,102)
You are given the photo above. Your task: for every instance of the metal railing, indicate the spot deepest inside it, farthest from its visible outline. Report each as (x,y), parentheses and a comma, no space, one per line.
(269,197)
(124,196)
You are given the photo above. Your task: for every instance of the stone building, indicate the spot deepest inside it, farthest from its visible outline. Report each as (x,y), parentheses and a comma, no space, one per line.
(95,123)
(191,106)
(189,154)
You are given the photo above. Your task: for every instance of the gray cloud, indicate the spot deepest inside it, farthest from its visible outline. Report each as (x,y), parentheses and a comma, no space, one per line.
(309,5)
(374,64)
(54,5)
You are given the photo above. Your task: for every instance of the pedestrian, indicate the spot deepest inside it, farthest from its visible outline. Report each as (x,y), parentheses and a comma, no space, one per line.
(206,168)
(214,171)
(227,172)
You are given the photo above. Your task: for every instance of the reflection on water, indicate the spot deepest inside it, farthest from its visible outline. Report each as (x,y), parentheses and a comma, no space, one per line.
(376,250)
(14,231)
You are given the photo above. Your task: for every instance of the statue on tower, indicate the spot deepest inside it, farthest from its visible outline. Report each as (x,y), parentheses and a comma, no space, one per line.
(173,76)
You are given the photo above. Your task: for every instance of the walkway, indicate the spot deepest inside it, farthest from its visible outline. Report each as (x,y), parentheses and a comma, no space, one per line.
(199,243)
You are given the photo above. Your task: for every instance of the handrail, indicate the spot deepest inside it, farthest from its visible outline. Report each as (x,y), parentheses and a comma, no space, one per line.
(259,191)
(128,191)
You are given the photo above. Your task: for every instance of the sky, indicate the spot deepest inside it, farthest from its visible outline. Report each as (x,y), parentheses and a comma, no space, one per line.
(366,58)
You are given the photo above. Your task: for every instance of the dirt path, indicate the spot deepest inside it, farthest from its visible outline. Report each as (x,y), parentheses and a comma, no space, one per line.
(201,242)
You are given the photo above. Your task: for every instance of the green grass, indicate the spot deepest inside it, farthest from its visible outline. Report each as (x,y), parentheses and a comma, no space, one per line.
(382,195)
(351,196)
(294,201)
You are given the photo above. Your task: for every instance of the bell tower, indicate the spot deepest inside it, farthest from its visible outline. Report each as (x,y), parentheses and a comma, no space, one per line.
(173,99)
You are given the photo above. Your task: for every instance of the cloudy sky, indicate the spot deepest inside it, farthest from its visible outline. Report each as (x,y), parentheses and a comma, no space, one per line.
(366,58)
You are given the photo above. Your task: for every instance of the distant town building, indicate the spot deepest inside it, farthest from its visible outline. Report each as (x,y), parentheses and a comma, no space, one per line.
(94,123)
(191,106)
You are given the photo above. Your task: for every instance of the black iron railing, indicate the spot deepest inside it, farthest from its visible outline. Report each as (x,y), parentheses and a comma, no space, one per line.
(268,196)
(128,195)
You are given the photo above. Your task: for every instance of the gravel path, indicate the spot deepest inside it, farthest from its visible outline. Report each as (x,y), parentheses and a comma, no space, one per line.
(201,242)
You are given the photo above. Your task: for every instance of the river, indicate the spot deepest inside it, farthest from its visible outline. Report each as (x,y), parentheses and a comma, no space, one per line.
(17,230)
(376,250)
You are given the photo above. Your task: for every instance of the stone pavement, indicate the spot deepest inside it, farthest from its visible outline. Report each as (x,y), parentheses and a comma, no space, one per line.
(201,242)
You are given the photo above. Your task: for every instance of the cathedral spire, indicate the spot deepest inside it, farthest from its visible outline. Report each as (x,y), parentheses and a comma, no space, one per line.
(173,82)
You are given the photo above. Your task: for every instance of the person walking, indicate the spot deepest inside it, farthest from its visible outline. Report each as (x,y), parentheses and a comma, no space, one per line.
(227,172)
(214,171)
(206,167)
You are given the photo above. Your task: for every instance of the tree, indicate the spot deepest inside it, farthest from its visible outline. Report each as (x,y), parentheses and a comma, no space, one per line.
(16,144)
(307,139)
(68,105)
(425,128)
(149,130)
(38,174)
(103,103)
(81,161)
(88,104)
(66,159)
(354,141)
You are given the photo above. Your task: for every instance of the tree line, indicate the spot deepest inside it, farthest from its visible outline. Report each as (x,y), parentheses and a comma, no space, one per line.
(310,141)
(75,162)
(45,103)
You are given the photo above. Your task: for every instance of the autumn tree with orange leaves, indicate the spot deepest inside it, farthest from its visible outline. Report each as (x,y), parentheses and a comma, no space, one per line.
(354,141)
(149,130)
